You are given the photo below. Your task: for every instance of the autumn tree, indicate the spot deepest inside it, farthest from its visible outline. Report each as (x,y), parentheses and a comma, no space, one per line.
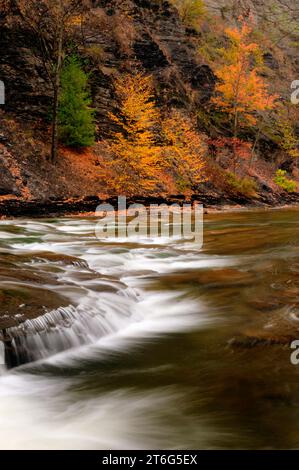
(184,150)
(190,11)
(53,24)
(288,141)
(134,148)
(241,91)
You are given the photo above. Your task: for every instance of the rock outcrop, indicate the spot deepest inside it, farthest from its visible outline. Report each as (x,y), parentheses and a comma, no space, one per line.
(156,42)
(121,36)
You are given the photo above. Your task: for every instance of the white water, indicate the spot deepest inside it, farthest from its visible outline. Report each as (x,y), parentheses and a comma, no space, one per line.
(113,307)
(39,414)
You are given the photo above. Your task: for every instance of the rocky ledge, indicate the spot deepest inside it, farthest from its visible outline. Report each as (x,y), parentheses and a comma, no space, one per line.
(87,205)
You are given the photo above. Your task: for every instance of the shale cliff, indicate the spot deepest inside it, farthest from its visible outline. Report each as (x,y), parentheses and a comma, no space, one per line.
(126,36)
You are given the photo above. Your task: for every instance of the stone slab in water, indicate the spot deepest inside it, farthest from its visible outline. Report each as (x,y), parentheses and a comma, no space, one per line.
(18,304)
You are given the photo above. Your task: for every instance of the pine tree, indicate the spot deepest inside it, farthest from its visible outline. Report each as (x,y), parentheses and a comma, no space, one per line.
(76,117)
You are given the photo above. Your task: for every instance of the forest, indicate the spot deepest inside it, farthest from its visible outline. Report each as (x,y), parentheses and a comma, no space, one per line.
(180,98)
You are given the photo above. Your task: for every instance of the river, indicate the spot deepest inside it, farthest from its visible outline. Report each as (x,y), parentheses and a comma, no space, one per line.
(155,344)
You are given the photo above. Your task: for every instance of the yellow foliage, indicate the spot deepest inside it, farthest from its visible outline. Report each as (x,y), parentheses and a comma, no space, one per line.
(75,20)
(191,11)
(289,142)
(139,163)
(184,150)
(136,155)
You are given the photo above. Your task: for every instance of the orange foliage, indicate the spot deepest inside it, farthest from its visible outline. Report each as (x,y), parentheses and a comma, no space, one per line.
(242,92)
(136,154)
(14,169)
(75,20)
(242,150)
(139,163)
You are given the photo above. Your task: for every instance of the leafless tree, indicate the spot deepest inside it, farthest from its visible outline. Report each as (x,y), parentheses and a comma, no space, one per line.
(53,24)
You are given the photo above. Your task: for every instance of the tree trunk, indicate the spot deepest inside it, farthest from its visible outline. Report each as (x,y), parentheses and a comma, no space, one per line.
(56,87)
(235,156)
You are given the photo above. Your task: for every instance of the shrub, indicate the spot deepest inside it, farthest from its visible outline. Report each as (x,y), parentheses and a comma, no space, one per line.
(283,182)
(191,11)
(76,118)
(95,53)
(242,186)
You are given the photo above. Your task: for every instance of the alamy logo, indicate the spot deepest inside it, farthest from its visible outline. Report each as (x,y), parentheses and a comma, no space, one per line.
(294,358)
(150,222)
(295,94)
(2,92)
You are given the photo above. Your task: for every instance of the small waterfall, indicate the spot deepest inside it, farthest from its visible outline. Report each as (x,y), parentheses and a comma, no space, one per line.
(66,328)
(2,357)
(98,300)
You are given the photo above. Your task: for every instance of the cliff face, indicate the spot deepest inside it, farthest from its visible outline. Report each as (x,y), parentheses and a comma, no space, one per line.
(125,35)
(148,35)
(120,36)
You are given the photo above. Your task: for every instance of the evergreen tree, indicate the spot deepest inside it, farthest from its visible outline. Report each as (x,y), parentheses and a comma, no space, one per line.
(76,118)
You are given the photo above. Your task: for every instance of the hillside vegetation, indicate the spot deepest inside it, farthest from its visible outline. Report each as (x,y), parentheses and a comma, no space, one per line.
(188,98)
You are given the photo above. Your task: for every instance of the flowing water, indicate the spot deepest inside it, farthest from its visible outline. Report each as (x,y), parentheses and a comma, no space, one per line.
(150,343)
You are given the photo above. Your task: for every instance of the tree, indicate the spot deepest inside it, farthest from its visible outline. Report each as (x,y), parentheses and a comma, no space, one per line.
(52,23)
(241,92)
(75,116)
(190,11)
(184,150)
(134,148)
(289,141)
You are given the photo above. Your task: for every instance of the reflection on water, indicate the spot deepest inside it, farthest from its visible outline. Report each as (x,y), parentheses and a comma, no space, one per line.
(151,345)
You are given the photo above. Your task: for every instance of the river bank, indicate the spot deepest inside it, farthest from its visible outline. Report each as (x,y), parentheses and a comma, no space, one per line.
(212,202)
